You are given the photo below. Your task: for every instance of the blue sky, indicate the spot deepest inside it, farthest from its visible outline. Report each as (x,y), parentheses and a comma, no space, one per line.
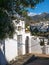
(40,8)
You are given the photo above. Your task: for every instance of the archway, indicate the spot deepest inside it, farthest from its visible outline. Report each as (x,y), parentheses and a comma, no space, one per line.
(27,44)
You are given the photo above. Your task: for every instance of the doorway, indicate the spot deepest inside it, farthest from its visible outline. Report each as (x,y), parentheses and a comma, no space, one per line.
(19,42)
(27,44)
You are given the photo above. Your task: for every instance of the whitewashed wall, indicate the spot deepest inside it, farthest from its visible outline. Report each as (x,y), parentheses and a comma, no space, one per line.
(10,49)
(35,45)
(45,49)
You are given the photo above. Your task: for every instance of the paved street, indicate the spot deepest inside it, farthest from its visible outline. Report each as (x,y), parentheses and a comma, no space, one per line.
(32,59)
(37,61)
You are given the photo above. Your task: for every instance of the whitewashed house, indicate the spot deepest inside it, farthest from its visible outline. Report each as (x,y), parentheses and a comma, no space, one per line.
(22,43)
(10,48)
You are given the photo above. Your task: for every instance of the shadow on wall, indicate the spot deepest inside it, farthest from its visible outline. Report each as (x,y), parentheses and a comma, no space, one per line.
(3,60)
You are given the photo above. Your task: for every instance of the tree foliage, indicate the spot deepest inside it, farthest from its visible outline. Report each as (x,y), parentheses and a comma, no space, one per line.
(6,25)
(18,5)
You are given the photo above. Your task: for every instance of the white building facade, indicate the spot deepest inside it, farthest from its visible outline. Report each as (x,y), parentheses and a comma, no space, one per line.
(22,43)
(10,48)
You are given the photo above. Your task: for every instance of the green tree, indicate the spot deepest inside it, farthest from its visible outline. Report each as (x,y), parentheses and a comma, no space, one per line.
(6,24)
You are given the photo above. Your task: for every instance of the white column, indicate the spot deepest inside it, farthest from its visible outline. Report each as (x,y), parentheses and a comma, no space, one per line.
(23,44)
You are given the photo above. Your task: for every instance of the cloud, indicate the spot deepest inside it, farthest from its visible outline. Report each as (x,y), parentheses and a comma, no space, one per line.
(39,14)
(31,14)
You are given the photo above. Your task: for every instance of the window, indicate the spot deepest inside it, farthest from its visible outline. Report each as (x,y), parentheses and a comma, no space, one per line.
(19,28)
